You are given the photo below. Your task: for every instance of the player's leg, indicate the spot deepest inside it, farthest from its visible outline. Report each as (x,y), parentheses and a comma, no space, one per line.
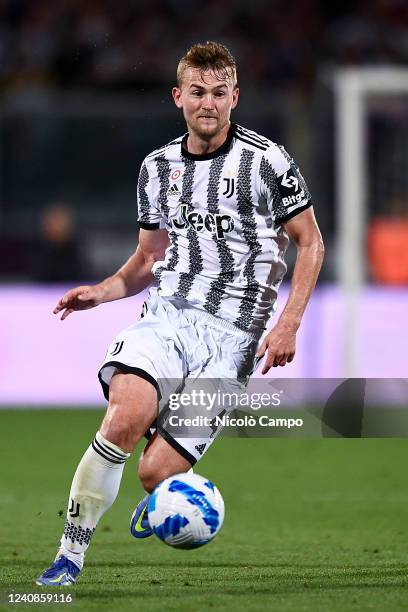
(131,410)
(158,461)
(217,356)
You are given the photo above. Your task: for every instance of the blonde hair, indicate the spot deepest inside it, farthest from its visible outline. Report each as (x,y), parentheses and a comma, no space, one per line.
(209,56)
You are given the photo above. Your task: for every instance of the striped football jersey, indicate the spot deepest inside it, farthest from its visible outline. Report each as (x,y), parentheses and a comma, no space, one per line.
(224,212)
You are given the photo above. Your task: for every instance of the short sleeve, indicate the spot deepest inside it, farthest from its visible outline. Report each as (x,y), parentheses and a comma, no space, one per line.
(283,185)
(149,214)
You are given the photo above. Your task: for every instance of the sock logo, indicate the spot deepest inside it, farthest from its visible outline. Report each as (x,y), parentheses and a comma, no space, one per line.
(79,534)
(73,510)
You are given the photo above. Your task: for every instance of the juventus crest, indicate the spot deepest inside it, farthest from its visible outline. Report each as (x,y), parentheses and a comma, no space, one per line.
(229,187)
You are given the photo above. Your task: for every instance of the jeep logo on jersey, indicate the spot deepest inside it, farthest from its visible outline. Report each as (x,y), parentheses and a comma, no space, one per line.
(215,224)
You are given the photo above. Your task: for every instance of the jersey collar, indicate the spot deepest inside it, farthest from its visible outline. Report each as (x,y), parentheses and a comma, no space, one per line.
(202,157)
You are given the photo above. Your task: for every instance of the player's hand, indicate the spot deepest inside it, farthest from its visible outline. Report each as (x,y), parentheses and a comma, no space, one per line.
(80,298)
(280,346)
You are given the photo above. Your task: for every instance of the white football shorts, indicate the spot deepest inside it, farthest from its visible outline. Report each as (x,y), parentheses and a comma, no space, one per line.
(173,345)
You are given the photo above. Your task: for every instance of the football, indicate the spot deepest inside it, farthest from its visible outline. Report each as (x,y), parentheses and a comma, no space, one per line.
(186,511)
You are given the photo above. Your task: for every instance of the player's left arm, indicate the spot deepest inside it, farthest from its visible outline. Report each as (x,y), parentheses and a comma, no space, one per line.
(280,343)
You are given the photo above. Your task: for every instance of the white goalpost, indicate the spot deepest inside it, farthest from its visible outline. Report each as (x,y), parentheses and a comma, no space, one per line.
(353,88)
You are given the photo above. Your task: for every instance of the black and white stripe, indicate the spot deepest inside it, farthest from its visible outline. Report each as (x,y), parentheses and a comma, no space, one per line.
(252,136)
(163,172)
(107,452)
(249,230)
(161,150)
(144,204)
(194,252)
(226,259)
(268,175)
(251,139)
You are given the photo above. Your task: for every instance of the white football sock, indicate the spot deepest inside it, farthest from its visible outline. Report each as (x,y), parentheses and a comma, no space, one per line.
(93,491)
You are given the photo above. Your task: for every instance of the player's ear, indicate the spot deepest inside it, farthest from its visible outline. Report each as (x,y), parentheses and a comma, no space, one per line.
(176,93)
(235,96)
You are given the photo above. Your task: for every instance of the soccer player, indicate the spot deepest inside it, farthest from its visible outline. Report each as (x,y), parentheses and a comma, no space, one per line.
(217,207)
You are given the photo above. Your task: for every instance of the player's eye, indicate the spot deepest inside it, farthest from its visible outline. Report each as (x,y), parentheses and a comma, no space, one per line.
(197,92)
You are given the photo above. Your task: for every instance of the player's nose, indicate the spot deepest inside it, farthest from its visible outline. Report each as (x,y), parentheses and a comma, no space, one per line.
(208,101)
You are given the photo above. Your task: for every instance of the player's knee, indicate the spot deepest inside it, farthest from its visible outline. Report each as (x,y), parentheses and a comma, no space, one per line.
(132,407)
(120,428)
(120,434)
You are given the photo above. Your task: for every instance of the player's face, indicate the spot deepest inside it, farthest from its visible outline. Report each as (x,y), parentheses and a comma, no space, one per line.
(206,101)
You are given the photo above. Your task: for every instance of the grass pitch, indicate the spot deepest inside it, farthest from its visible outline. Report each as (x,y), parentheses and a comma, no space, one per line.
(317,525)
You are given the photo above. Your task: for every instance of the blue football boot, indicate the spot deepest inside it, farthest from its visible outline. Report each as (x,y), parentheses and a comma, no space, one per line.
(62,572)
(139,523)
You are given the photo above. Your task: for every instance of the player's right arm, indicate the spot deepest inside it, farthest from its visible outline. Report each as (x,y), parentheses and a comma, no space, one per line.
(134,276)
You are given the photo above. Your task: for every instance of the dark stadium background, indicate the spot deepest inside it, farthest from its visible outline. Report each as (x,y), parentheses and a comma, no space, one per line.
(85,95)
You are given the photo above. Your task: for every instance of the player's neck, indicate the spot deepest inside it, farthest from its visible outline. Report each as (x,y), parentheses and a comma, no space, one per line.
(199,146)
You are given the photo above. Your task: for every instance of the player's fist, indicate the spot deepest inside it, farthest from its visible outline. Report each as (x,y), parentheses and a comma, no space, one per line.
(79,298)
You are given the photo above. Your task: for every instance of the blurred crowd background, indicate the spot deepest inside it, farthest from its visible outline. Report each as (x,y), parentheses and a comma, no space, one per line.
(85,95)
(105,44)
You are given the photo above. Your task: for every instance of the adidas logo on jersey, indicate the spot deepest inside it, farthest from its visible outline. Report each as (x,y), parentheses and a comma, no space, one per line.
(174,191)
(293,199)
(214,224)
(200,448)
